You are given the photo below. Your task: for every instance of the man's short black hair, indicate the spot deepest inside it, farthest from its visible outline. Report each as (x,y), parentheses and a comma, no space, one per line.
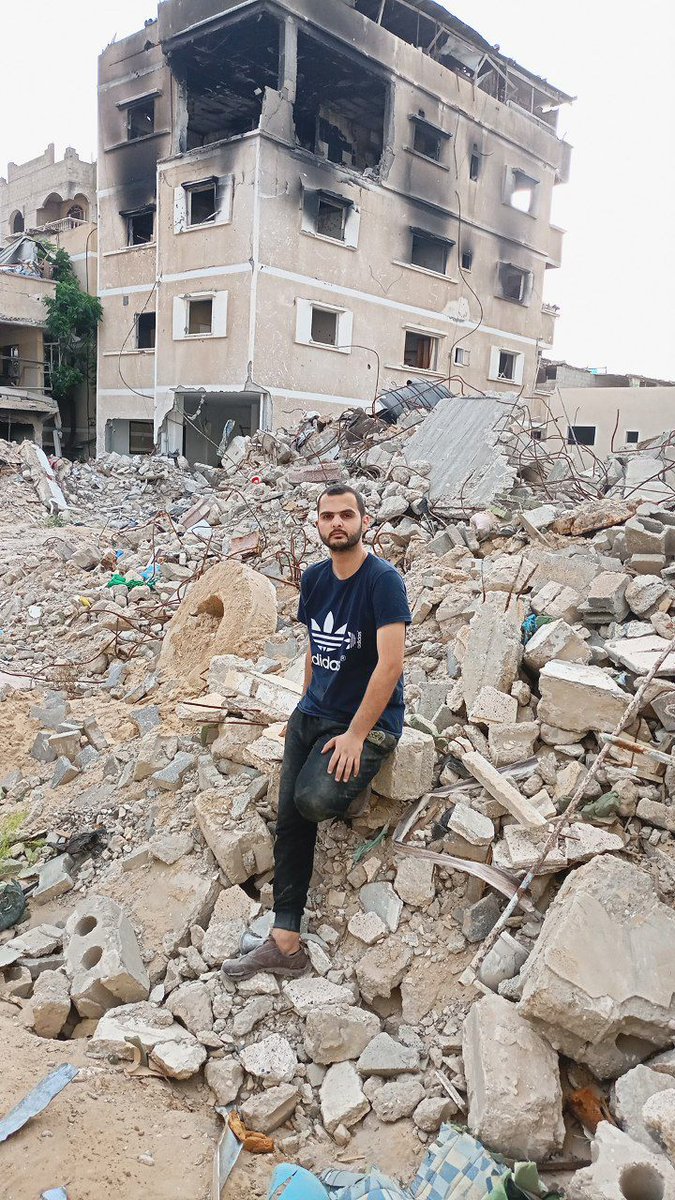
(342,489)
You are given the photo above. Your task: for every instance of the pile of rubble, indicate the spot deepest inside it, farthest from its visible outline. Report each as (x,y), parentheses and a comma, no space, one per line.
(156,621)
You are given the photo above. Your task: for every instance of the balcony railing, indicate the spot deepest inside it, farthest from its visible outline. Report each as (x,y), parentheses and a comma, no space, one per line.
(28,374)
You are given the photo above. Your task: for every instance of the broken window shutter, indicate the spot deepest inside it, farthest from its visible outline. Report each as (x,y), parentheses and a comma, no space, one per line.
(345,330)
(352,226)
(179,318)
(224,198)
(179,209)
(219,317)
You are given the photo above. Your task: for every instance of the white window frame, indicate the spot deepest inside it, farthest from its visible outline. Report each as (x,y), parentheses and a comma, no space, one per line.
(526,284)
(519,365)
(310,218)
(435,338)
(303,325)
(224,203)
(181,315)
(510,190)
(462,356)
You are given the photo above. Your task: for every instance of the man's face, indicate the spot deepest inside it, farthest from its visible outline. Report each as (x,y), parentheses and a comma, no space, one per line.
(340,523)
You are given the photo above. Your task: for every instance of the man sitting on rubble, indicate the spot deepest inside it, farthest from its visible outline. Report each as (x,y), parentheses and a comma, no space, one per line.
(348,721)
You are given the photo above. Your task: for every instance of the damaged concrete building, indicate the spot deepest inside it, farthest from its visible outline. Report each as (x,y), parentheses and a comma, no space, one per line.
(43,191)
(304,211)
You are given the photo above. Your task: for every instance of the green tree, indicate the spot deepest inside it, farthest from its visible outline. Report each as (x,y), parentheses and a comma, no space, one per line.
(72,319)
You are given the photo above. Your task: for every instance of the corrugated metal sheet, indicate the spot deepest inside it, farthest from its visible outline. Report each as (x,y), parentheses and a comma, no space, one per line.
(460,440)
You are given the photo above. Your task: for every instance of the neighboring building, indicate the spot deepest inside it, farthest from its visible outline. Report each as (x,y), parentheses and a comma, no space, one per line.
(56,201)
(26,408)
(302,206)
(42,191)
(562,375)
(605,420)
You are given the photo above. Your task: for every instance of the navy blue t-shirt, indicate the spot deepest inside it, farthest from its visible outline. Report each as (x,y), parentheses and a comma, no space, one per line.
(343,617)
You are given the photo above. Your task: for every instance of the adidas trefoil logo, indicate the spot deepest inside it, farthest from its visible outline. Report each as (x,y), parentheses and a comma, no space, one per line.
(329,638)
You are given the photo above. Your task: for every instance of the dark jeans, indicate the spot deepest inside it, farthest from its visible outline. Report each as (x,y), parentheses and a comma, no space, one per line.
(307,795)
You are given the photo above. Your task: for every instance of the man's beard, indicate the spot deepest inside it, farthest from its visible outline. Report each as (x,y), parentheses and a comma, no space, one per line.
(340,544)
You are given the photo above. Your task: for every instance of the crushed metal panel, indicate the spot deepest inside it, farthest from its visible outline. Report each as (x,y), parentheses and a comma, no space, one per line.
(460,439)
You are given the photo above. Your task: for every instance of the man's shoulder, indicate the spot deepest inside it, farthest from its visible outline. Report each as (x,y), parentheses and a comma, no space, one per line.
(381,569)
(316,571)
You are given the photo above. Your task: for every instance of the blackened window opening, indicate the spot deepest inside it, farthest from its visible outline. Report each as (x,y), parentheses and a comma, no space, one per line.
(225,73)
(140,119)
(341,106)
(330,221)
(145,330)
(140,227)
(201,204)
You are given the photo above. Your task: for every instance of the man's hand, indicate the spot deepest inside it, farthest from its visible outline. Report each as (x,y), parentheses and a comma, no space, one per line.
(345,760)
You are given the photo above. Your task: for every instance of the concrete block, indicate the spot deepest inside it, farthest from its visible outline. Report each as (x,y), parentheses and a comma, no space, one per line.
(225,1077)
(268,1110)
(481,917)
(510,744)
(382,968)
(513,1082)
(387,1058)
(647,564)
(607,593)
(42,750)
(190,1003)
(64,772)
(502,790)
(65,745)
(556,601)
(171,777)
(50,1005)
(556,640)
(154,753)
(169,847)
(341,1097)
(580,698)
(646,593)
(16,981)
(502,962)
(103,958)
(629,1096)
(414,881)
(475,828)
(152,1026)
(54,879)
(367,927)
(600,980)
(308,994)
(622,1170)
(493,654)
(658,1115)
(381,899)
(409,771)
(395,1100)
(492,707)
(338,1034)
(241,850)
(273,1059)
(179,1059)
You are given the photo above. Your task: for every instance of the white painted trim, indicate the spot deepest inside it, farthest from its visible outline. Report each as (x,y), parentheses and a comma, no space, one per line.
(255,264)
(207,273)
(126,291)
(144,392)
(349,401)
(113,83)
(382,302)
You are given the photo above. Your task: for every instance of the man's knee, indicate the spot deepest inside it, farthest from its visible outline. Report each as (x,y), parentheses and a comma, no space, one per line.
(318,801)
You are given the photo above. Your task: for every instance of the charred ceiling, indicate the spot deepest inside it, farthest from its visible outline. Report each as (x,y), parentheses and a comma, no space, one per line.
(225,73)
(341,106)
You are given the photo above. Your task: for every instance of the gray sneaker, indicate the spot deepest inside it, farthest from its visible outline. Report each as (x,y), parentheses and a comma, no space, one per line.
(267,957)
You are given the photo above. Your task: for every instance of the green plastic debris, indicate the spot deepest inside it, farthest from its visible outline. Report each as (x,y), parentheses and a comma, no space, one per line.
(366,847)
(12,904)
(116,579)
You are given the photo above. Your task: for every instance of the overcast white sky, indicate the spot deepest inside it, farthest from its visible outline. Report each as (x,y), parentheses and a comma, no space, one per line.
(617,281)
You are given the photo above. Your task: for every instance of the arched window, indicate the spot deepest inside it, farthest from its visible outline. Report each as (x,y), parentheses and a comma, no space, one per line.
(18,223)
(76,212)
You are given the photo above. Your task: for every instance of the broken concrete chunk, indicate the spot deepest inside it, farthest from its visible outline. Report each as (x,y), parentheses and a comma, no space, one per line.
(272,1059)
(342,1099)
(381,899)
(169,847)
(556,640)
(395,1100)
(492,707)
(502,790)
(382,968)
(190,1003)
(414,882)
(242,850)
(409,771)
(556,601)
(645,593)
(658,1115)
(268,1110)
(433,1112)
(180,1059)
(225,1077)
(622,1170)
(607,594)
(337,1034)
(54,879)
(50,1005)
(640,654)
(308,994)
(475,828)
(580,698)
(600,981)
(388,1058)
(510,744)
(367,927)
(150,1025)
(513,1080)
(493,654)
(103,958)
(170,778)
(629,1095)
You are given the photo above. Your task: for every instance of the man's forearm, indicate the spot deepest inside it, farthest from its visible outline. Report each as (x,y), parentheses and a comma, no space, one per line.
(308,672)
(378,694)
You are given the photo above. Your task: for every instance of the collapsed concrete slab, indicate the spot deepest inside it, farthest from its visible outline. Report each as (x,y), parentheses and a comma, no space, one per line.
(580,698)
(103,958)
(600,981)
(243,849)
(622,1170)
(493,653)
(513,1080)
(556,640)
(232,609)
